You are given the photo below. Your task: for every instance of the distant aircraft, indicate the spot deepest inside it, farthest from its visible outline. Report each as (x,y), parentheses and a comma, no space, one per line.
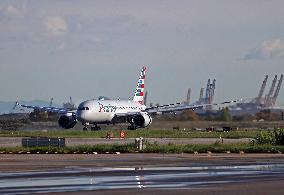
(105,111)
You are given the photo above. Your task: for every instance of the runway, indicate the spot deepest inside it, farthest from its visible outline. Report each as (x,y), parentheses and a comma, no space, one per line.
(190,174)
(82,179)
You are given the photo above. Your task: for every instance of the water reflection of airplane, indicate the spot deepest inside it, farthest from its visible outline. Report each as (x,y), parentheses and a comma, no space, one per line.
(140,179)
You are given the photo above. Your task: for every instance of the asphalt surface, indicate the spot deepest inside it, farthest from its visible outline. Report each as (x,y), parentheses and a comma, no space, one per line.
(142,173)
(17,141)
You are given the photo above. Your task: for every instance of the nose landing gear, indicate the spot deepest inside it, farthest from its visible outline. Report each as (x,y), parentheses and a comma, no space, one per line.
(85,126)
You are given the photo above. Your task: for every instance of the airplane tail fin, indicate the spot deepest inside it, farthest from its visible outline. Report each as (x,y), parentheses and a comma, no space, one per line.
(139,93)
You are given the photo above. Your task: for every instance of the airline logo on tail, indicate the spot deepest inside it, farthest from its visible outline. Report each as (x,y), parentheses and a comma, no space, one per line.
(139,93)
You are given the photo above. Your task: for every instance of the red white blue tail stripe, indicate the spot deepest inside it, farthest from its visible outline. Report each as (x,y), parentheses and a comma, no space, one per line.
(139,93)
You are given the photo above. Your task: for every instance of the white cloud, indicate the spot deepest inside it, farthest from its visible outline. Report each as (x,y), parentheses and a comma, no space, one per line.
(273,48)
(55,26)
(268,50)
(12,11)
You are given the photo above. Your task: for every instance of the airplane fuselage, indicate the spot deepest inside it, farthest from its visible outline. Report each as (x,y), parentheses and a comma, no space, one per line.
(103,111)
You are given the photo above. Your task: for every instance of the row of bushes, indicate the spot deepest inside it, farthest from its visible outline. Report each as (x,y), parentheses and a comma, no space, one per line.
(275,137)
(150,148)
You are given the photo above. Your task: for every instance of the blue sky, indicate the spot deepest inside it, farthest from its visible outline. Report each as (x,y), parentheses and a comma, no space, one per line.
(85,49)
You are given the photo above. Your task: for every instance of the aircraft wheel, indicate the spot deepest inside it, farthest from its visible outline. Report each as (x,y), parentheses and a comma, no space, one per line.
(85,129)
(95,128)
(131,128)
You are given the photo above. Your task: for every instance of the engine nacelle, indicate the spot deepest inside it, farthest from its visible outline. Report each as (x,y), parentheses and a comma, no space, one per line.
(142,120)
(67,120)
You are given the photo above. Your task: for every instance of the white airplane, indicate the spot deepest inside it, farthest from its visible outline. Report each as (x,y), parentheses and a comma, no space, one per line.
(102,111)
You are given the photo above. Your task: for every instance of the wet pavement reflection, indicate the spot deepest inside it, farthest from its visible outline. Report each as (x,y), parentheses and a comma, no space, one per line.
(79,178)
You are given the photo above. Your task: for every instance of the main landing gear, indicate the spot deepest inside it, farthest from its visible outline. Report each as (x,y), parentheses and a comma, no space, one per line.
(131,127)
(95,128)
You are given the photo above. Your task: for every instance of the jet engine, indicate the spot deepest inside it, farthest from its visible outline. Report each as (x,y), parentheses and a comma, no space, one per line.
(67,120)
(141,120)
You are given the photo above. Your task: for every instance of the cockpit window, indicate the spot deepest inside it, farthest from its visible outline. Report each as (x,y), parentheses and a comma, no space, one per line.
(83,108)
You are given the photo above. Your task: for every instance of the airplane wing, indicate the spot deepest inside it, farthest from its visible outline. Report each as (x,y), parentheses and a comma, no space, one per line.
(47,108)
(181,107)
(126,114)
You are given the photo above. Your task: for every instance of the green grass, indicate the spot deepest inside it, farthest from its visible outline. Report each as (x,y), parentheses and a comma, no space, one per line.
(81,149)
(150,148)
(214,148)
(133,134)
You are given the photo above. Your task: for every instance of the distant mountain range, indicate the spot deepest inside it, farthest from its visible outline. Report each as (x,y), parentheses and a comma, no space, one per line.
(6,107)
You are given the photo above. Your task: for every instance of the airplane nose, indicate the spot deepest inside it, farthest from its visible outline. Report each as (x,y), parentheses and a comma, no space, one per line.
(83,110)
(80,115)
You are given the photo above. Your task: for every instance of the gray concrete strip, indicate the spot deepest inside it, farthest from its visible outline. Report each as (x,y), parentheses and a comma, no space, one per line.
(10,141)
